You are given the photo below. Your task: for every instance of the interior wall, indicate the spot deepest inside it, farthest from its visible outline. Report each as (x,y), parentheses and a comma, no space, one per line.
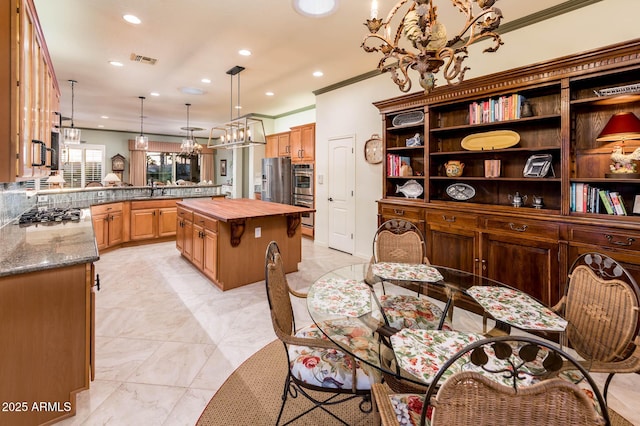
(349,110)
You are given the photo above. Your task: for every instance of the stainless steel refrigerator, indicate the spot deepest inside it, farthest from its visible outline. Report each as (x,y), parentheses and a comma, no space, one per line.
(277,181)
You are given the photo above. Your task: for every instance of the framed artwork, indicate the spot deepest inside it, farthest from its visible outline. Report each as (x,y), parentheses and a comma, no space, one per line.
(223,167)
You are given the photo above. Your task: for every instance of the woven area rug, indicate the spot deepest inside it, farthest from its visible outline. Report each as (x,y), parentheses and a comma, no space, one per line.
(251,396)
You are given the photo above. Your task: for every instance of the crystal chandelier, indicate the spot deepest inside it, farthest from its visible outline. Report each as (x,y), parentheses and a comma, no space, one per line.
(71,135)
(189,146)
(412,37)
(142,141)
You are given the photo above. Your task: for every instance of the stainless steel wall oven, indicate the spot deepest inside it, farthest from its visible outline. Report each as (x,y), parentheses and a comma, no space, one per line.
(303,190)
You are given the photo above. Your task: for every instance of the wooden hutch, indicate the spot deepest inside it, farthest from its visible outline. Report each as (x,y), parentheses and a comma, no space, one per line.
(528,247)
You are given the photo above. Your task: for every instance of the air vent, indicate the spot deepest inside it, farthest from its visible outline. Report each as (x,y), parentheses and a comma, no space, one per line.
(143,59)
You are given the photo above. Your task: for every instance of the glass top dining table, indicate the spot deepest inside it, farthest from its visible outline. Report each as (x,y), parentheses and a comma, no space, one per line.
(352,294)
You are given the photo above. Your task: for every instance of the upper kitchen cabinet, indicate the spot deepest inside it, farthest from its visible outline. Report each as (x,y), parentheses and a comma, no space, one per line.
(29,94)
(303,143)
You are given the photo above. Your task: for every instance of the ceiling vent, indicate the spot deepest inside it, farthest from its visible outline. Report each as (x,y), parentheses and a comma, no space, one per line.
(143,59)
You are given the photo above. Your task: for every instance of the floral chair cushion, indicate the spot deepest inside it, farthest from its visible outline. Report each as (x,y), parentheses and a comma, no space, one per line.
(330,368)
(408,408)
(406,311)
(342,297)
(406,271)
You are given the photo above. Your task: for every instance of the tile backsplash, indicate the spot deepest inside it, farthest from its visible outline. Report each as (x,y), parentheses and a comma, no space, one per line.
(14,201)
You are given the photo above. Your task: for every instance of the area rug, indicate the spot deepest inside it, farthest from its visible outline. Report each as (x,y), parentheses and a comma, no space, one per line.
(251,396)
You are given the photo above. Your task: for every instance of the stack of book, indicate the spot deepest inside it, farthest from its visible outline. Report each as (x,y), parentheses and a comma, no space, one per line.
(499,109)
(395,163)
(590,199)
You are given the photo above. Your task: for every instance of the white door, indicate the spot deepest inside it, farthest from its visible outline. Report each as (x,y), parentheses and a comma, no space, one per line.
(341,177)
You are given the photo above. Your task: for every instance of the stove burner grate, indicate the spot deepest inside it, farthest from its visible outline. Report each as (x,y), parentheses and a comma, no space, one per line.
(49,216)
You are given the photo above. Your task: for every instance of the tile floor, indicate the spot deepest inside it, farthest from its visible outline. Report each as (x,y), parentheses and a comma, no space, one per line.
(166,338)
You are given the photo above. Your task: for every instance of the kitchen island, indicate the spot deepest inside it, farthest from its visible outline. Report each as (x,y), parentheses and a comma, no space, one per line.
(226,239)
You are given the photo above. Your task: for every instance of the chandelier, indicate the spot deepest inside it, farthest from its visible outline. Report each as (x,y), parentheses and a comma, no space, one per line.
(412,37)
(240,132)
(71,135)
(142,141)
(189,146)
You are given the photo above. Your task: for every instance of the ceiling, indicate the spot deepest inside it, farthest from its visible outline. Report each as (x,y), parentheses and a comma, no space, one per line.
(195,39)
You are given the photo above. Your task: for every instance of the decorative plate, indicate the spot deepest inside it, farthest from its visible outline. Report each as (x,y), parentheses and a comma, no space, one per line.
(408,119)
(497,139)
(411,189)
(461,191)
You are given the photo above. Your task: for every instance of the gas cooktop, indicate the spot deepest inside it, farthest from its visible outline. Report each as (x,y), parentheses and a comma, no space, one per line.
(49,216)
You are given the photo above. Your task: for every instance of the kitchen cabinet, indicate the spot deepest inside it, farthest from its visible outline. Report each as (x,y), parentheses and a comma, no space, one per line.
(278,145)
(184,232)
(47,332)
(29,94)
(108,224)
(205,245)
(471,220)
(303,143)
(153,219)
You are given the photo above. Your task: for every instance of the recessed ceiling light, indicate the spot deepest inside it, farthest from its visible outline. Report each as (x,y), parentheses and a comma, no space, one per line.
(244,52)
(106,117)
(132,19)
(192,91)
(315,8)
(101,126)
(206,80)
(116,63)
(154,94)
(238,107)
(269,93)
(318,73)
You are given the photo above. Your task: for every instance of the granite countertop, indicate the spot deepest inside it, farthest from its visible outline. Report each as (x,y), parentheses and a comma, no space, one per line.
(39,247)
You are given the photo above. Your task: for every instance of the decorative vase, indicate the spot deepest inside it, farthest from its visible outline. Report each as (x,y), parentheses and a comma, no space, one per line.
(454,168)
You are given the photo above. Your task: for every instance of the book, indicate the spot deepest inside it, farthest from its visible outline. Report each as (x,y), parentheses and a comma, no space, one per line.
(617,207)
(579,197)
(606,201)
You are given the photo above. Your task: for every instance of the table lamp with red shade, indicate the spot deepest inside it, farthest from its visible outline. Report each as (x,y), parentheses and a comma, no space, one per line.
(621,127)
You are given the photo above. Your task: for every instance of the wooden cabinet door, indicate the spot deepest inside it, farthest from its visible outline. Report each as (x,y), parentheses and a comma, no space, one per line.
(198,246)
(101,229)
(308,143)
(452,247)
(116,228)
(143,224)
(271,149)
(180,235)
(187,247)
(284,145)
(167,219)
(295,143)
(210,257)
(526,264)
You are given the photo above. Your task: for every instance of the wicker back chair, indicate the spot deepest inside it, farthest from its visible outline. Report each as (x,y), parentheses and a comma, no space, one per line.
(400,241)
(505,380)
(93,184)
(332,371)
(602,306)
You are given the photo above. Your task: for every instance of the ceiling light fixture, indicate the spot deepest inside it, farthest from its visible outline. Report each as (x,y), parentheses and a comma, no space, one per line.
(417,21)
(71,135)
(315,8)
(132,19)
(240,132)
(318,73)
(189,146)
(116,63)
(142,141)
(244,52)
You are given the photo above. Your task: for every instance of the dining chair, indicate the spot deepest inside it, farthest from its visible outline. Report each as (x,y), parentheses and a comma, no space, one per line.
(315,362)
(504,380)
(93,184)
(601,304)
(400,241)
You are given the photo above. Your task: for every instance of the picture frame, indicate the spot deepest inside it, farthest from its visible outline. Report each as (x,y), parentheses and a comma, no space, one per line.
(223,167)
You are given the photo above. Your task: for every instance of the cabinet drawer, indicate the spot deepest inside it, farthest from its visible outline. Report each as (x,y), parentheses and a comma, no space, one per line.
(206,222)
(106,208)
(153,204)
(185,214)
(523,227)
(452,219)
(606,237)
(402,212)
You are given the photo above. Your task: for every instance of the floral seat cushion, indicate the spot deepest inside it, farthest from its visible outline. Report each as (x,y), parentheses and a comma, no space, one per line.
(406,311)
(331,368)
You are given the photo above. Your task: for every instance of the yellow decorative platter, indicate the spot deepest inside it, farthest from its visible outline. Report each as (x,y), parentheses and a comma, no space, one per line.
(497,139)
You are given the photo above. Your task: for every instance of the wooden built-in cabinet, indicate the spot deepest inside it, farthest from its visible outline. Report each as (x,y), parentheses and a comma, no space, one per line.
(153,219)
(299,143)
(108,224)
(48,335)
(29,94)
(526,247)
(205,245)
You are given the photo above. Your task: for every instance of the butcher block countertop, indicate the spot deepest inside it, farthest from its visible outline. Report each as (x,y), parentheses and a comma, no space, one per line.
(231,209)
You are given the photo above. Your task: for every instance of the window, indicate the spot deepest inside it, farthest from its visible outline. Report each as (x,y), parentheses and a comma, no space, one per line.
(82,164)
(170,166)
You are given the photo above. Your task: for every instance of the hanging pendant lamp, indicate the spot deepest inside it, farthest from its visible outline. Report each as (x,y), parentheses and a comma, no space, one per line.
(142,141)
(71,135)
(187,144)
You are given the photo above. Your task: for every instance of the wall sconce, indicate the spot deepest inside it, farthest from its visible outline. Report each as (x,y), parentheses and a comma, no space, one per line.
(622,127)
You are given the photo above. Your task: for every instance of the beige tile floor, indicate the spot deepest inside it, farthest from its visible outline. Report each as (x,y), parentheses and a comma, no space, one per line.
(166,338)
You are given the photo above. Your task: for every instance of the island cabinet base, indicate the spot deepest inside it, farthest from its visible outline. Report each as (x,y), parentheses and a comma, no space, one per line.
(46,340)
(227,239)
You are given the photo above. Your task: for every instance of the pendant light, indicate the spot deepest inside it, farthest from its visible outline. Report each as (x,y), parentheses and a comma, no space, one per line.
(187,144)
(142,141)
(71,135)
